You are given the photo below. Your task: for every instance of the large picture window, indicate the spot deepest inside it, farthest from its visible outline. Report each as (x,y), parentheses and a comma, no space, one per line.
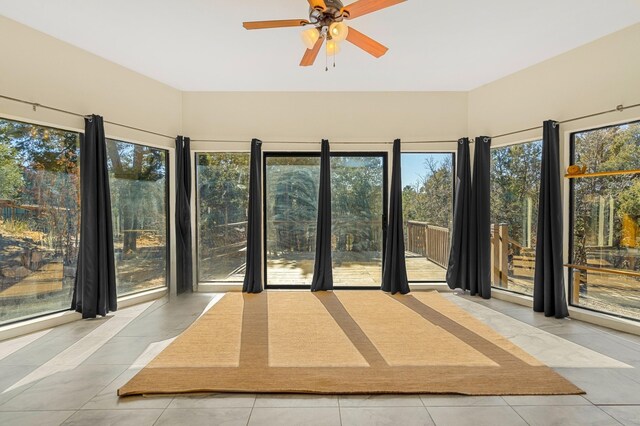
(223,196)
(515,187)
(427,202)
(605,219)
(139,190)
(39,219)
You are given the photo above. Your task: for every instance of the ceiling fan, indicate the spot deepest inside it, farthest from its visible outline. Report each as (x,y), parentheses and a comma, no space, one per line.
(327,18)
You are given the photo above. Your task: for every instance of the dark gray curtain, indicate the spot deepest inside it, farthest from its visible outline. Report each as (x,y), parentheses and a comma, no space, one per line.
(322,270)
(253,273)
(95,284)
(458,269)
(480,218)
(394,271)
(548,289)
(184,265)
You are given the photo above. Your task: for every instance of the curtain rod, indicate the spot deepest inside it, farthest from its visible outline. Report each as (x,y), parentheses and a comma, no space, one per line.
(618,108)
(36,105)
(319,142)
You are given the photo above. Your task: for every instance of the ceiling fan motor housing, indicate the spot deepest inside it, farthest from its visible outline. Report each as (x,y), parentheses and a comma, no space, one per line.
(333,13)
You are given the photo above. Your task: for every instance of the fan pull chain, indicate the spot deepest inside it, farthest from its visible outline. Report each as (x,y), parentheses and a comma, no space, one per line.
(326,58)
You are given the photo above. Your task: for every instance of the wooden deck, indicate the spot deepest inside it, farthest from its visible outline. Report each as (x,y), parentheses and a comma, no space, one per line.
(350,274)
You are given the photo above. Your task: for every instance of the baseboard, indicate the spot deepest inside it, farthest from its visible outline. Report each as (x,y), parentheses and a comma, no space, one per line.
(576,313)
(48,321)
(440,287)
(222,287)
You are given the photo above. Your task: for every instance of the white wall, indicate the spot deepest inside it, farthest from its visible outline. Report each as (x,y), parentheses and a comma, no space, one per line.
(592,78)
(42,69)
(310,117)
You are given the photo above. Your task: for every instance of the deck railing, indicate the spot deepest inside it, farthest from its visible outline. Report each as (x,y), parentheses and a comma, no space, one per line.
(500,255)
(430,241)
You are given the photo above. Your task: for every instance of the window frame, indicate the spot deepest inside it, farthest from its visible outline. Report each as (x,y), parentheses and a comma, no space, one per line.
(385,208)
(453,199)
(80,134)
(167,202)
(507,145)
(571,227)
(196,214)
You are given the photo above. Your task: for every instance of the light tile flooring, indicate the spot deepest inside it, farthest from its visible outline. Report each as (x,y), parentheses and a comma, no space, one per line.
(69,375)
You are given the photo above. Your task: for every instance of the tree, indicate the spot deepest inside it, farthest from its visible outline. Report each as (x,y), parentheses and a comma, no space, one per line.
(47,162)
(430,200)
(356,203)
(11,181)
(600,201)
(138,192)
(515,186)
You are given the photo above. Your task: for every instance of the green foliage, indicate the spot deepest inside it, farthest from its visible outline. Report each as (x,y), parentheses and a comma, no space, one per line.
(431,200)
(10,172)
(138,194)
(39,171)
(607,149)
(223,195)
(356,203)
(515,186)
(292,203)
(630,200)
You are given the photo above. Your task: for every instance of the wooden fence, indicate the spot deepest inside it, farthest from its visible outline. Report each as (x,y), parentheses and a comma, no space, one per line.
(507,256)
(430,241)
(500,255)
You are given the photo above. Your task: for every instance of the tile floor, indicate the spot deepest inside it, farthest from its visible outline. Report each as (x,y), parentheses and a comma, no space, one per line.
(69,375)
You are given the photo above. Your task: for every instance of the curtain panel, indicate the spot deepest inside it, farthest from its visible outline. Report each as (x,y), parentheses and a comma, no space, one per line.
(548,287)
(394,271)
(184,264)
(322,270)
(253,274)
(95,282)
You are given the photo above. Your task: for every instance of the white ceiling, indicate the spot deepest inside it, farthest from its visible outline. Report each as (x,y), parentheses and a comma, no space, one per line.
(435,45)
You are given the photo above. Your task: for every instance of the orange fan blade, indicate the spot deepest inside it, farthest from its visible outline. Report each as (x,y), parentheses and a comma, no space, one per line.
(261,25)
(365,43)
(318,5)
(311,54)
(362,7)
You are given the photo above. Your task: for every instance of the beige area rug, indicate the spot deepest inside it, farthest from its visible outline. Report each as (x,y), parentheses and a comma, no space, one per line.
(345,342)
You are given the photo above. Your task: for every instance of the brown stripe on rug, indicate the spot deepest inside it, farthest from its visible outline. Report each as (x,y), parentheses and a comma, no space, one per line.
(255,323)
(351,329)
(432,323)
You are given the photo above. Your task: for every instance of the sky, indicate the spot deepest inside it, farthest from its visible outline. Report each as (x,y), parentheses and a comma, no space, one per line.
(413,168)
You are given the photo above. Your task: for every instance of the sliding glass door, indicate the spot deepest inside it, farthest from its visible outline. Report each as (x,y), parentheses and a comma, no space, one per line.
(358,184)
(291,208)
(358,203)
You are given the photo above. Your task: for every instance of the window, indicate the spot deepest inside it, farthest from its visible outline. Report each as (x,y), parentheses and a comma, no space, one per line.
(605,221)
(223,197)
(358,200)
(427,204)
(358,203)
(138,184)
(39,219)
(292,183)
(515,187)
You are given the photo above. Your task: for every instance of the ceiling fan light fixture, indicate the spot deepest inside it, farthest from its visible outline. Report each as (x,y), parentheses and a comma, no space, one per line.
(333,47)
(310,37)
(339,31)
